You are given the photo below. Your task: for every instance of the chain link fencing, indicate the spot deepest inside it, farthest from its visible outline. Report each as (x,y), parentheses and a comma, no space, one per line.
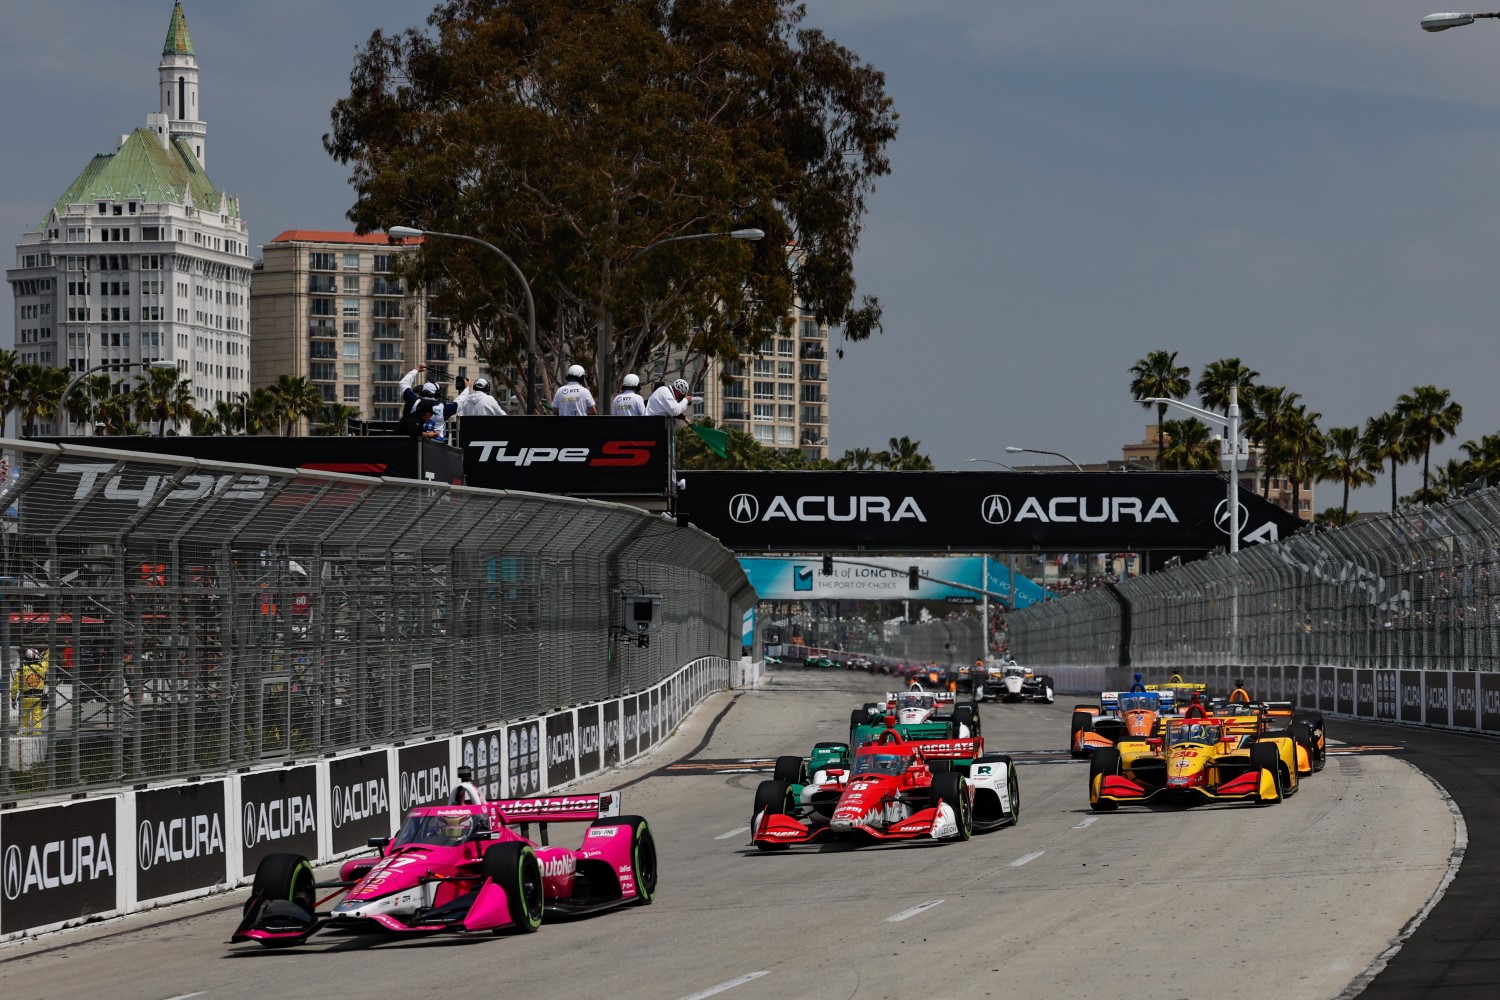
(1415,590)
(186,617)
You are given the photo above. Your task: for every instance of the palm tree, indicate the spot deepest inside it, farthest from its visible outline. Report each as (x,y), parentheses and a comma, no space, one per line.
(1192,445)
(1429,415)
(1305,447)
(1274,410)
(858,459)
(1218,377)
(333,419)
(1385,436)
(904,455)
(204,424)
(41,389)
(229,414)
(1484,458)
(162,394)
(1348,461)
(10,389)
(296,398)
(86,397)
(114,412)
(1159,374)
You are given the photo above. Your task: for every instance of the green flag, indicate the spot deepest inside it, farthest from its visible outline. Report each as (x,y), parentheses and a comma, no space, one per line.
(713,438)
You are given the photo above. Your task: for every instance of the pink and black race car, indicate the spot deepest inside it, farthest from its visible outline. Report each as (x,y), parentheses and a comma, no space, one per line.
(462,868)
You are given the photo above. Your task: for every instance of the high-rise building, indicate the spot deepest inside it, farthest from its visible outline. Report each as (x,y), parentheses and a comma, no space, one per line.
(142,258)
(329,308)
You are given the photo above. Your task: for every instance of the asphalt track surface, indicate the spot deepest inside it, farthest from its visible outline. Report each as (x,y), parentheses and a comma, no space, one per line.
(1308,898)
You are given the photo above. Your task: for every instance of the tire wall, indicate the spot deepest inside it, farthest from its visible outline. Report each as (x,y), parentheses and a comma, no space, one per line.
(111,854)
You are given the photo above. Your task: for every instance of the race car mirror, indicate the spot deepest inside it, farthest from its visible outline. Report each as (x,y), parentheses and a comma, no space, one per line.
(378,842)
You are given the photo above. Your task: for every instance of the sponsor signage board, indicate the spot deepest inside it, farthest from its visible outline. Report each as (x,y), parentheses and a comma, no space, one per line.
(1364,694)
(360,806)
(632,723)
(1410,696)
(278,814)
(57,863)
(590,741)
(423,778)
(561,749)
(603,456)
(179,839)
(1345,691)
(1104,511)
(484,754)
(1465,699)
(523,743)
(1387,698)
(612,733)
(1489,702)
(1435,697)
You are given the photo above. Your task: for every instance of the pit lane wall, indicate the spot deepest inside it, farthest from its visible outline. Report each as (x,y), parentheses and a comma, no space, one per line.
(109,854)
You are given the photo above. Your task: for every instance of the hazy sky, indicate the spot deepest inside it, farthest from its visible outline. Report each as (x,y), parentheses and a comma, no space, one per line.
(1306,186)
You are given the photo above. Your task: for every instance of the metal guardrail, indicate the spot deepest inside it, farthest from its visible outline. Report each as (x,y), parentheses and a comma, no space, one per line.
(196,617)
(1416,590)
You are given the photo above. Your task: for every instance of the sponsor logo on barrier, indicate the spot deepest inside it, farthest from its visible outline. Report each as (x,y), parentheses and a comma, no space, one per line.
(1411,696)
(1437,697)
(559,748)
(1463,698)
(143,489)
(996,509)
(179,839)
(745,508)
(1492,702)
(278,818)
(420,787)
(611,453)
(359,801)
(56,863)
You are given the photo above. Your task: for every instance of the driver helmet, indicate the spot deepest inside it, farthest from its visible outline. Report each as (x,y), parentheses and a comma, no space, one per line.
(631,381)
(456,829)
(681,386)
(32,655)
(575,371)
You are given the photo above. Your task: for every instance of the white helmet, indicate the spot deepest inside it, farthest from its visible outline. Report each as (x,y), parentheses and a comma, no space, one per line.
(631,381)
(681,386)
(575,371)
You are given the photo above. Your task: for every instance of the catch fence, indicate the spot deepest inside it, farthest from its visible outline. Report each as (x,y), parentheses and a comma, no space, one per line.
(1417,590)
(195,617)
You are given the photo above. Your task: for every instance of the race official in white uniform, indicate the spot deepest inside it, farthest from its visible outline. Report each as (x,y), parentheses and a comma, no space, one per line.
(670,400)
(573,399)
(476,401)
(629,402)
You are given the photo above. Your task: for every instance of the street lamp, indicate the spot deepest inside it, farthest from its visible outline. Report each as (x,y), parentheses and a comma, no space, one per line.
(1442,22)
(62,401)
(1043,451)
(992,462)
(404,232)
(1231,451)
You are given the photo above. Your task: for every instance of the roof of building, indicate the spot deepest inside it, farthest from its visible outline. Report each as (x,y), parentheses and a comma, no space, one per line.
(143,170)
(333,236)
(178,40)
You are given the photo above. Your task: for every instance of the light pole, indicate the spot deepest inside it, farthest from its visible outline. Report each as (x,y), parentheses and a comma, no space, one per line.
(991,461)
(607,321)
(1012,449)
(1231,455)
(1442,22)
(62,401)
(404,232)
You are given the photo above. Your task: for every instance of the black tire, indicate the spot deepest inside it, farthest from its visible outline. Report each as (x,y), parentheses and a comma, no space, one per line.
(642,857)
(1105,760)
(1048,693)
(1013,788)
(951,788)
(792,770)
(1265,757)
(1081,721)
(858,717)
(775,796)
(964,715)
(283,876)
(513,867)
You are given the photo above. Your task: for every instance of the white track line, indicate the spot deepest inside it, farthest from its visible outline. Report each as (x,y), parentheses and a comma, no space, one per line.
(1088,821)
(733,833)
(729,985)
(186,996)
(919,908)
(1025,859)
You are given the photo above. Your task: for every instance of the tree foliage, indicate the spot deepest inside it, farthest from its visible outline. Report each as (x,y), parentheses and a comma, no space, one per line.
(575,134)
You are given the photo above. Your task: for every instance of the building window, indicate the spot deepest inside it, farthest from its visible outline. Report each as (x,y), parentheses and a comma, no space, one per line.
(320,284)
(351,284)
(351,394)
(321,371)
(323,349)
(387,373)
(437,352)
(320,261)
(351,261)
(322,307)
(764,390)
(351,307)
(351,352)
(765,412)
(386,309)
(784,436)
(351,371)
(765,367)
(385,330)
(783,369)
(785,390)
(764,433)
(388,352)
(351,328)
(784,347)
(383,263)
(387,394)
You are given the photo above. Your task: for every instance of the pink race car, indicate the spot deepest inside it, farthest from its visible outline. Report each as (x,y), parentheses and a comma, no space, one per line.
(462,868)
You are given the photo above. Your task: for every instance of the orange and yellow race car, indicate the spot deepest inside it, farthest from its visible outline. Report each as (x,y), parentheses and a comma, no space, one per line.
(1120,715)
(1194,761)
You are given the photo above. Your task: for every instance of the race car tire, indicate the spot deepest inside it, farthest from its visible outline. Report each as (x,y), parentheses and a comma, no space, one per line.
(792,770)
(513,867)
(642,858)
(1105,760)
(775,796)
(858,717)
(1081,721)
(951,788)
(1265,757)
(1301,734)
(1047,695)
(964,715)
(282,876)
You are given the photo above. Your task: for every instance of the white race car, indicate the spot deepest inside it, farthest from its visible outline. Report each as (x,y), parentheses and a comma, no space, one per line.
(997,793)
(1017,683)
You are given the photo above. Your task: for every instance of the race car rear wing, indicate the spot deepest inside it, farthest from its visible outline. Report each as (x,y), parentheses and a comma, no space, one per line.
(558,808)
(964,749)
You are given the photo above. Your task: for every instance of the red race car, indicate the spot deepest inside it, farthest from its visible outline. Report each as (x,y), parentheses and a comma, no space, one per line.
(462,868)
(894,789)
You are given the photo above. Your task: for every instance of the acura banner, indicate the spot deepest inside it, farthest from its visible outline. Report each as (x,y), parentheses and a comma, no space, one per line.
(598,456)
(1056,512)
